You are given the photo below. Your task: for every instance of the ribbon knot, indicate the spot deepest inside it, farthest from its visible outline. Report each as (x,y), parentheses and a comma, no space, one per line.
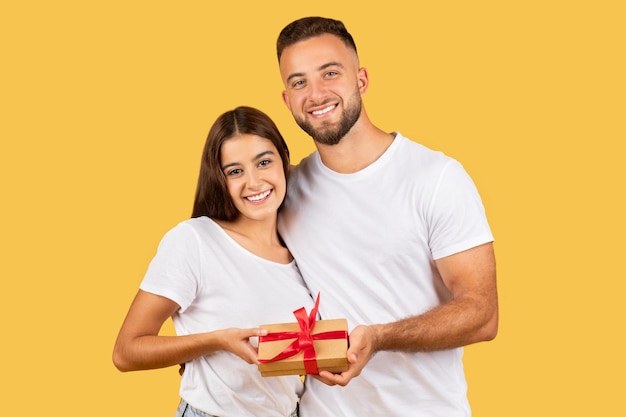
(304,340)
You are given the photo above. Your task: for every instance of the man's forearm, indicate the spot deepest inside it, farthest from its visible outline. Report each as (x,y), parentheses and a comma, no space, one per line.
(457,323)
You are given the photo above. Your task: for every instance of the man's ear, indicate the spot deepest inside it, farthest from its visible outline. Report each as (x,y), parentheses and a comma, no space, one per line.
(363,80)
(286,100)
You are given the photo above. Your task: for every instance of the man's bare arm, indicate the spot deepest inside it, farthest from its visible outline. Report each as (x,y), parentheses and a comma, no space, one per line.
(470,317)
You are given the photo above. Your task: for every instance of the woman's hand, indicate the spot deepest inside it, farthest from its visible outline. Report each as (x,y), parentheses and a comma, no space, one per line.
(237,341)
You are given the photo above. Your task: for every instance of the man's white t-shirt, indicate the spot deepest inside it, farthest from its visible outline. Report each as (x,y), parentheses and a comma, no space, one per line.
(367,242)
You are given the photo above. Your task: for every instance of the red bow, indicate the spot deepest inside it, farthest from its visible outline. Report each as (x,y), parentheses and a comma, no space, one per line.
(304,339)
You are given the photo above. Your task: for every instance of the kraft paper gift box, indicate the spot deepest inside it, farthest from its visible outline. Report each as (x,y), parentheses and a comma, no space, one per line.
(305,347)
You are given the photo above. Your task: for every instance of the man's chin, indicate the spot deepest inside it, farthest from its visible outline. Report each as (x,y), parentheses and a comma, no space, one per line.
(324,136)
(327,140)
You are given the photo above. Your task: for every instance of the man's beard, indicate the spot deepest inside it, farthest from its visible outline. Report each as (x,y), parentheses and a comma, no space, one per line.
(326,135)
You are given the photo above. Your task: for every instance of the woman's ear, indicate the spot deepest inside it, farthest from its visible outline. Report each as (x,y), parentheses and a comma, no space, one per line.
(288,169)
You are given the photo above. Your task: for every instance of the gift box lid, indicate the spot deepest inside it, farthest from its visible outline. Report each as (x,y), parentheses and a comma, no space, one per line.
(330,354)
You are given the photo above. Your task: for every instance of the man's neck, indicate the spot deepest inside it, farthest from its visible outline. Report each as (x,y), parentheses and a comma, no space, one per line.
(361,147)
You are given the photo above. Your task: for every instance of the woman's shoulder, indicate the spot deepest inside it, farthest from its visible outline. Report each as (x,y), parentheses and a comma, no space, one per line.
(194,227)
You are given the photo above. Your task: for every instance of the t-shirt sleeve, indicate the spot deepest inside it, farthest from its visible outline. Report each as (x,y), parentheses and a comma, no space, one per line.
(457,216)
(174,272)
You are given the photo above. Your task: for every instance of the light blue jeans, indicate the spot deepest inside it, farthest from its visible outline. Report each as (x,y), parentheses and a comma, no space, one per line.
(185,410)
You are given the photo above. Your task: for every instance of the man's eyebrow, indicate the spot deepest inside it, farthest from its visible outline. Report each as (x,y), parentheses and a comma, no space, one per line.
(322,68)
(331,64)
(294,75)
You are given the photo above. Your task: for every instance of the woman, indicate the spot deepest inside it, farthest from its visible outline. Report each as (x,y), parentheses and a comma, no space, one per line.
(219,275)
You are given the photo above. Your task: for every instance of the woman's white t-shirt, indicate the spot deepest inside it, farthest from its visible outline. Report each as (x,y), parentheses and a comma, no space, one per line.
(218,284)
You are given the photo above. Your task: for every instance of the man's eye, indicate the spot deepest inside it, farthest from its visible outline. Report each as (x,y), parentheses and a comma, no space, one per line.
(298,84)
(331,73)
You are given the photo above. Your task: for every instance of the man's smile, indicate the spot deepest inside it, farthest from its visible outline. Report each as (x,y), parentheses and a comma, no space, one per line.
(324,110)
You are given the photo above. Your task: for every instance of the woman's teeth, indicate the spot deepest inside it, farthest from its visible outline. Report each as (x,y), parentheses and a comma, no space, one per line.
(259,197)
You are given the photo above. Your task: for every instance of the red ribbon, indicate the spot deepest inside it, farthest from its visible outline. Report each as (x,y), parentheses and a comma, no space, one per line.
(304,339)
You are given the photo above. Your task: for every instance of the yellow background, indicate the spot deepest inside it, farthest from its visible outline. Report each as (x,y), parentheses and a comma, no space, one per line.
(105,107)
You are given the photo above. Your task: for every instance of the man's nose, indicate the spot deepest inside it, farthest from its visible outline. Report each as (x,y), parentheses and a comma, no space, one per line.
(317,91)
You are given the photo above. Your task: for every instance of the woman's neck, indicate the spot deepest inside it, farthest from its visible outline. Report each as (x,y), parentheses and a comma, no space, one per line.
(258,237)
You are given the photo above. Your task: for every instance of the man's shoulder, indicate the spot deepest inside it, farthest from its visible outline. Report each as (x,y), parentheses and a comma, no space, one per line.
(419,155)
(306,164)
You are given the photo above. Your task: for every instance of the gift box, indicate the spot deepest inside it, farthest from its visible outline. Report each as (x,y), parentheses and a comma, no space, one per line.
(305,347)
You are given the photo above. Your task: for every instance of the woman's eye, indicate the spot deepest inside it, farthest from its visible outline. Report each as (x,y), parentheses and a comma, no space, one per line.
(265,162)
(235,171)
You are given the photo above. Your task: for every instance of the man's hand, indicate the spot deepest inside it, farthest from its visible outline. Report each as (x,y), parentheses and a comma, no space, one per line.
(362,342)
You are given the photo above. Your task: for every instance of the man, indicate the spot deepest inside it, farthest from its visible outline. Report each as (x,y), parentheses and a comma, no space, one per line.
(393,235)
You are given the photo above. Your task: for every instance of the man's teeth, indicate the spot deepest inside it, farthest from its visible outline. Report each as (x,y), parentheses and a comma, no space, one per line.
(259,197)
(326,110)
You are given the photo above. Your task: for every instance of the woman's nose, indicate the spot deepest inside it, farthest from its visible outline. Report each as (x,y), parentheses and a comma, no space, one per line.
(254,179)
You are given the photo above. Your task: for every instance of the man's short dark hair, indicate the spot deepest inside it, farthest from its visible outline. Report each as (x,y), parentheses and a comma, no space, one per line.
(310,27)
